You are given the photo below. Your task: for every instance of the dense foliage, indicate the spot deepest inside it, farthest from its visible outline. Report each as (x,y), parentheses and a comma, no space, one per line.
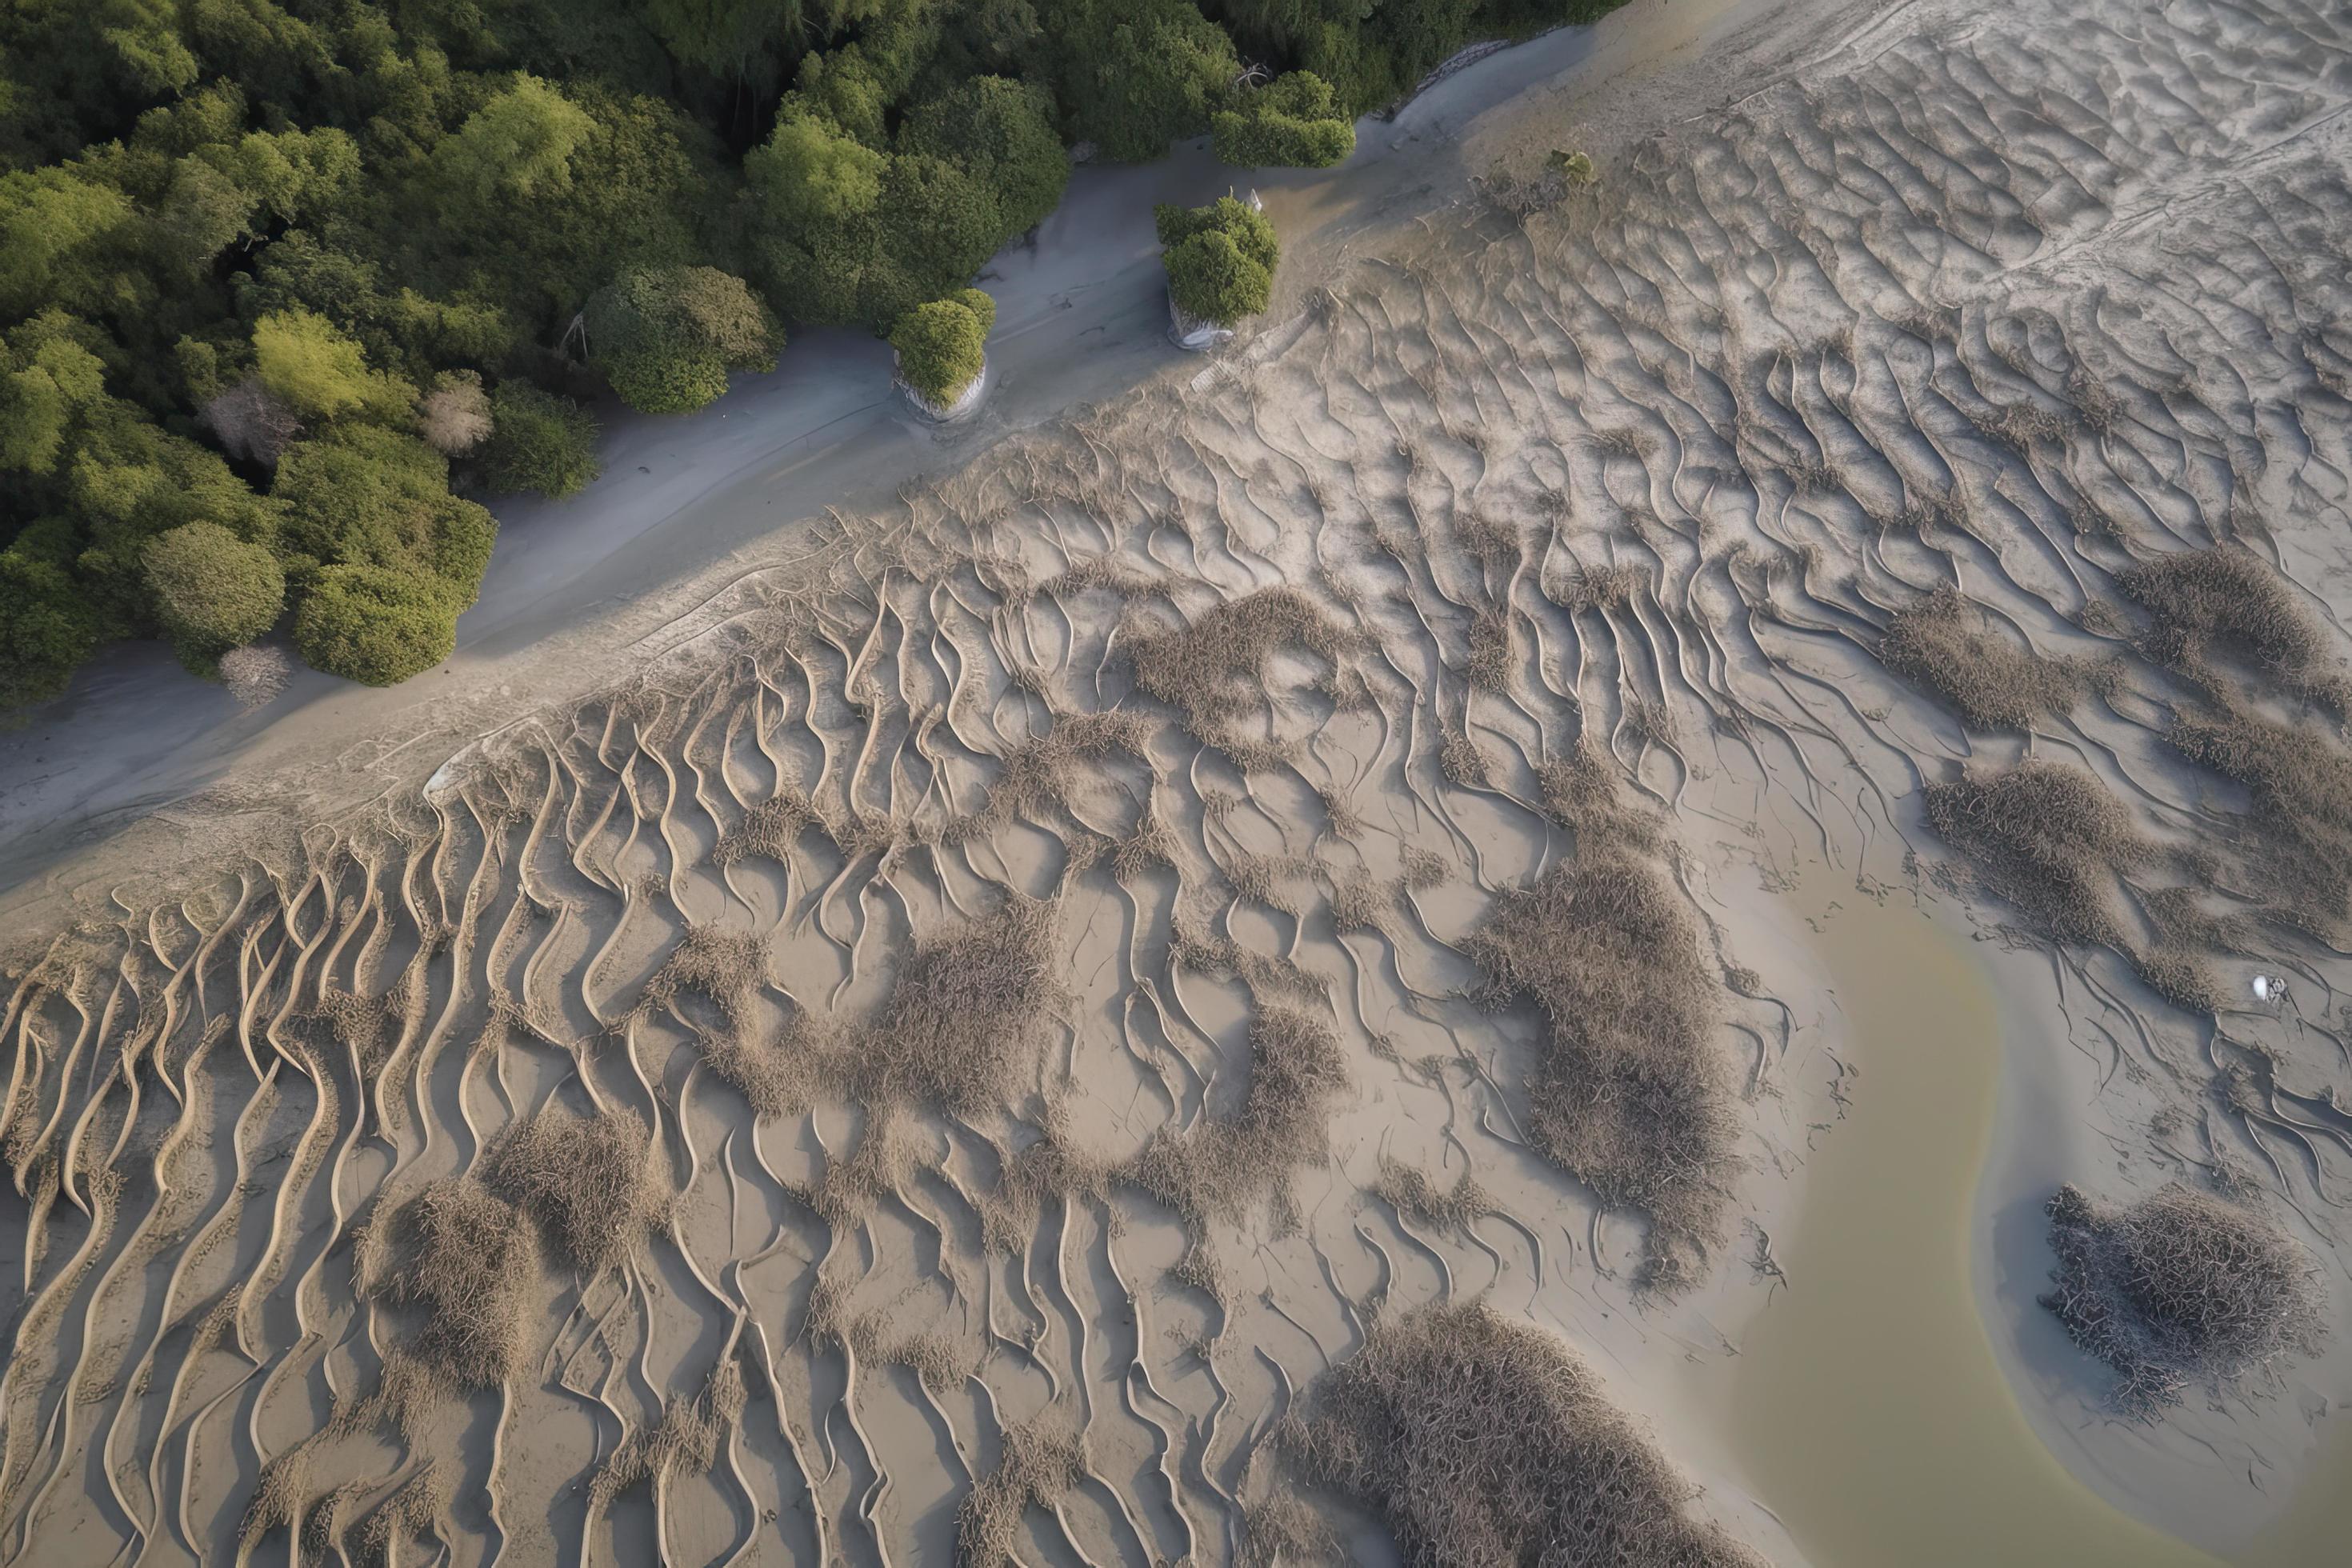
(1220,260)
(272,265)
(942,345)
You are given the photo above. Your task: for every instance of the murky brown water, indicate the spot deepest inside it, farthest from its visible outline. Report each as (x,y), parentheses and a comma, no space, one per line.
(1868,1409)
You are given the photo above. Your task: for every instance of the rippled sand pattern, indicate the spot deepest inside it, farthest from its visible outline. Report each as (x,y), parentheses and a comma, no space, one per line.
(997,1007)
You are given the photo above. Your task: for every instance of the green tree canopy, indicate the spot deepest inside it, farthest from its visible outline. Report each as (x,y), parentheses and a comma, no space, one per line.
(537,442)
(943,346)
(1295,120)
(213,590)
(1220,258)
(519,144)
(361,495)
(374,625)
(316,371)
(1002,133)
(1140,74)
(666,337)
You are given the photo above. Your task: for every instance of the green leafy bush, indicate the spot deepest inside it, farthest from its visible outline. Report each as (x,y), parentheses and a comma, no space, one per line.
(1295,120)
(666,337)
(539,442)
(213,590)
(374,625)
(942,345)
(1220,259)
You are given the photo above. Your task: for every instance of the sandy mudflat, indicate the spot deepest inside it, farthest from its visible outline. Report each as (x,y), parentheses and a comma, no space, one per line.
(971,1012)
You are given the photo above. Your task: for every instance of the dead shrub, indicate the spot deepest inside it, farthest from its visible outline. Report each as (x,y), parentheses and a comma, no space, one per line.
(251,424)
(455,417)
(462,1259)
(2047,839)
(1944,643)
(2179,1290)
(950,1033)
(1629,1093)
(582,1179)
(1041,1465)
(2204,599)
(255,674)
(1481,1441)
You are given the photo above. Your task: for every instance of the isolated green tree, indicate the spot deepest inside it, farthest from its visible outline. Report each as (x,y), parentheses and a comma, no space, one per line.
(942,345)
(1220,258)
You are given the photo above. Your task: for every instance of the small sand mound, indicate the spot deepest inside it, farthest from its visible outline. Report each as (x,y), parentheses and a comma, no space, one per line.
(1479,1441)
(2179,1289)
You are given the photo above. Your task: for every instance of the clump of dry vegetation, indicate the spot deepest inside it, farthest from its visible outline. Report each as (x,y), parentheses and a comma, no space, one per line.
(1039,776)
(1041,1465)
(1050,1167)
(2300,790)
(1480,1441)
(1581,793)
(2181,1288)
(950,1035)
(2048,839)
(711,961)
(1943,643)
(461,1259)
(770,828)
(1220,1168)
(686,1443)
(1628,1095)
(1408,1190)
(1212,667)
(2206,599)
(582,1179)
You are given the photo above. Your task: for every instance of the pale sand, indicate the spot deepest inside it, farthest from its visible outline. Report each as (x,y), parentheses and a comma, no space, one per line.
(1767,328)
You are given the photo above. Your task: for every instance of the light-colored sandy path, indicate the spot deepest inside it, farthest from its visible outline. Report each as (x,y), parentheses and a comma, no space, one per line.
(575,584)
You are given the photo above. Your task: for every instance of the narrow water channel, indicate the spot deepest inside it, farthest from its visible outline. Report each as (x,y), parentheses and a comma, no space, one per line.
(1868,1409)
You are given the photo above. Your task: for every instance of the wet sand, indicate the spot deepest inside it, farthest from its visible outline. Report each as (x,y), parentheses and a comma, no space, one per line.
(1870,1413)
